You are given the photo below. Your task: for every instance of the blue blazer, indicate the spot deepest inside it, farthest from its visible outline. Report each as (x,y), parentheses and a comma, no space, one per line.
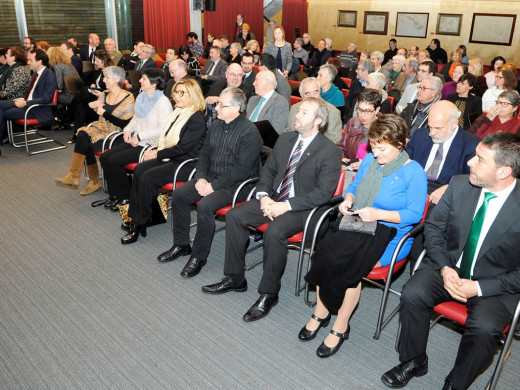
(462,149)
(43,93)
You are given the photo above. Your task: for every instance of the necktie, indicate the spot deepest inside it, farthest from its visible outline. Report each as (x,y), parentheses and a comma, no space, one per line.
(468,257)
(256,112)
(31,86)
(92,55)
(210,69)
(433,172)
(287,182)
(139,65)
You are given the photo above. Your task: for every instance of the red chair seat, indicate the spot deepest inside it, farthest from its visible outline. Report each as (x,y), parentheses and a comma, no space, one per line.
(30,122)
(224,210)
(298,237)
(169,186)
(381,273)
(131,166)
(453,310)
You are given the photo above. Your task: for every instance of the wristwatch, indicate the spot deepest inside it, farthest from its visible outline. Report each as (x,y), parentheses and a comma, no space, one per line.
(443,268)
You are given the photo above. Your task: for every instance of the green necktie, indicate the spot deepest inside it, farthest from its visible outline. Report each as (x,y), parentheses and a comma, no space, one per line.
(474,233)
(256,112)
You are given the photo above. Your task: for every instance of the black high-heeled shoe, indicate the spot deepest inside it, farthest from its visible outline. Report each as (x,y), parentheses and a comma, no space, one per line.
(307,335)
(134,234)
(127,226)
(323,351)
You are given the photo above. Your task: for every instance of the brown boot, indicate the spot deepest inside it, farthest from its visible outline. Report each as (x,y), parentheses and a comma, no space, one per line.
(72,179)
(94,183)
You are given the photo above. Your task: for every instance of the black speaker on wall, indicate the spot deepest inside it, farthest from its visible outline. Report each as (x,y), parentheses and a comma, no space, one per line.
(211,5)
(198,4)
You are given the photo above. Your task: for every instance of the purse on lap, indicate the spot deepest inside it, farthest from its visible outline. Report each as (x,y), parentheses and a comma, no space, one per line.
(352,223)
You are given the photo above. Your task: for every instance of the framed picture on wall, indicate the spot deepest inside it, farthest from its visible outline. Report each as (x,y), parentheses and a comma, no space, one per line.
(449,24)
(492,29)
(375,23)
(347,18)
(411,24)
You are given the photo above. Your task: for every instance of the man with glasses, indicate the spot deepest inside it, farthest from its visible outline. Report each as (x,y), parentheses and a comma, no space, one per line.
(230,155)
(145,58)
(307,45)
(249,74)
(310,87)
(178,71)
(416,113)
(364,67)
(428,68)
(29,44)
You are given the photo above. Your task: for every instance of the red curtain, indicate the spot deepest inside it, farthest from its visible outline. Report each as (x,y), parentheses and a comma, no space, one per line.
(166,22)
(224,19)
(294,15)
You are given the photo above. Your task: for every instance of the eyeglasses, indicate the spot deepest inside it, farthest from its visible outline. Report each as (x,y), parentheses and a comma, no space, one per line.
(247,63)
(422,89)
(234,75)
(219,104)
(179,93)
(498,77)
(503,104)
(366,112)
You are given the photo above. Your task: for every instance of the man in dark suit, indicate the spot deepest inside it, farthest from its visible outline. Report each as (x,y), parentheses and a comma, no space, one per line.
(41,90)
(86,53)
(248,61)
(472,240)
(230,155)
(267,105)
(74,59)
(215,68)
(129,61)
(146,58)
(289,187)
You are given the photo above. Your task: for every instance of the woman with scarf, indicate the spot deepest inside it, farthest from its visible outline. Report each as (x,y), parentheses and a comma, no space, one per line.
(181,138)
(115,110)
(389,189)
(152,108)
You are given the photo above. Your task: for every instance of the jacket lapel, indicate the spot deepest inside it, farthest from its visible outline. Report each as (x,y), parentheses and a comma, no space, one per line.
(267,104)
(311,149)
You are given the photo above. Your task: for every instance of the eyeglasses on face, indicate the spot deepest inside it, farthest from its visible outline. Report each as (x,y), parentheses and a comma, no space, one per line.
(179,93)
(219,104)
(503,104)
(365,112)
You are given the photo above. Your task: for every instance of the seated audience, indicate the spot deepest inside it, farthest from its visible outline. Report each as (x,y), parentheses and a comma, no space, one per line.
(245,35)
(146,58)
(363,69)
(186,55)
(178,71)
(214,70)
(300,55)
(414,51)
(230,155)
(475,67)
(15,81)
(377,58)
(3,61)
(397,68)
(234,53)
(427,68)
(249,74)
(310,87)
(487,285)
(319,58)
(416,113)
(195,46)
(496,63)
(437,54)
(225,45)
(28,45)
(463,54)
(181,138)
(268,62)
(338,81)
(451,86)
(501,117)
(376,81)
(307,45)
(267,104)
(282,200)
(252,48)
(389,189)
(423,56)
(329,92)
(407,77)
(280,50)
(349,57)
(448,68)
(115,110)
(505,80)
(110,47)
(43,45)
(129,61)
(209,42)
(469,105)
(75,61)
(152,109)
(86,53)
(61,66)
(171,55)
(391,52)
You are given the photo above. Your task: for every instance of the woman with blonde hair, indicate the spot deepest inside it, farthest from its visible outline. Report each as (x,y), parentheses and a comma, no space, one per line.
(252,47)
(281,50)
(181,138)
(475,67)
(61,66)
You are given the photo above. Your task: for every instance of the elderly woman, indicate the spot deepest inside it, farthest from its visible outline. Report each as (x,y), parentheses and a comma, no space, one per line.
(389,189)
(234,53)
(397,67)
(115,109)
(181,138)
(187,56)
(469,105)
(475,66)
(15,81)
(329,92)
(252,47)
(245,35)
(451,86)
(61,66)
(505,80)
(377,81)
(503,116)
(496,63)
(280,50)
(152,108)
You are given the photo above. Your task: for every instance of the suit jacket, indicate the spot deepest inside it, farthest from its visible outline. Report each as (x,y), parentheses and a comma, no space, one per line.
(247,85)
(129,61)
(76,63)
(149,63)
(218,73)
(462,149)
(42,94)
(275,110)
(497,267)
(400,86)
(355,89)
(473,108)
(84,53)
(316,175)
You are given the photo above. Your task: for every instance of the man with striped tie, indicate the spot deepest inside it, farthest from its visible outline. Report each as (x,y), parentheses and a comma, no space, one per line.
(301,173)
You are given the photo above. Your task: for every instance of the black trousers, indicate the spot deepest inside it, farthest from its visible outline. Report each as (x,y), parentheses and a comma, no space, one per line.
(487,318)
(113,162)
(275,242)
(148,177)
(85,146)
(182,198)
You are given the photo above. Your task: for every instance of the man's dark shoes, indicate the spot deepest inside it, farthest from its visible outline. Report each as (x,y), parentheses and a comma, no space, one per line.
(174,252)
(323,351)
(448,384)
(224,286)
(401,374)
(111,202)
(307,335)
(192,267)
(115,207)
(261,308)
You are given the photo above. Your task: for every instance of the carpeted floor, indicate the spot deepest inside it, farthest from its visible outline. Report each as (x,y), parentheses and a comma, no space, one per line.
(80,311)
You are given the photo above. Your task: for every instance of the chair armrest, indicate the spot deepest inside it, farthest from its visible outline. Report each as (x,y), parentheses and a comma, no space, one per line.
(178,170)
(241,187)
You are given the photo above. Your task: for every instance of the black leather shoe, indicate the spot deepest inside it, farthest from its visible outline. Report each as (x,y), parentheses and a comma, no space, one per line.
(447,384)
(111,202)
(323,351)
(134,234)
(127,226)
(174,252)
(401,374)
(261,308)
(307,335)
(224,286)
(123,202)
(192,267)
